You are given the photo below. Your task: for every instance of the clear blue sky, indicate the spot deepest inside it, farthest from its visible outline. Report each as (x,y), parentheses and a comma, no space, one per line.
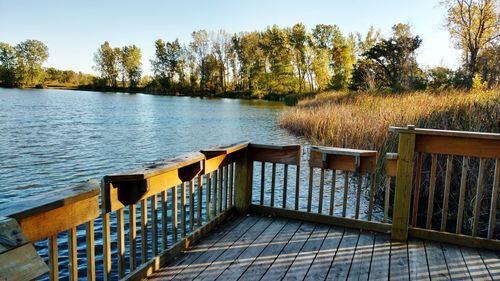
(73,30)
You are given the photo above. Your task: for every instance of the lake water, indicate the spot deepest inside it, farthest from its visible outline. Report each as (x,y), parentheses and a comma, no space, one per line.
(53,138)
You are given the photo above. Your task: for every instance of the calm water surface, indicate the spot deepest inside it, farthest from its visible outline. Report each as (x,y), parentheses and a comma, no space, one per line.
(53,138)
(50,139)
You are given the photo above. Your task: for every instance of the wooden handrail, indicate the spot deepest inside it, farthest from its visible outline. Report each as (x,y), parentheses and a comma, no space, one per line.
(51,200)
(222,178)
(462,145)
(448,133)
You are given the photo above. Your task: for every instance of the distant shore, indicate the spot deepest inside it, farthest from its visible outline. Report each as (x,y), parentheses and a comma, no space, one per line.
(290,99)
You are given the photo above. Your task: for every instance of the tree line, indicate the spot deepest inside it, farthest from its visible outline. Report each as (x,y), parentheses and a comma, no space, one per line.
(287,60)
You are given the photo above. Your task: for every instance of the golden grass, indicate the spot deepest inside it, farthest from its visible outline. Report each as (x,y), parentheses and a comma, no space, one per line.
(361,120)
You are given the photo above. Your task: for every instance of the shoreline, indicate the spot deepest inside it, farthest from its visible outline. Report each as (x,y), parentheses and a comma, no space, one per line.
(289,99)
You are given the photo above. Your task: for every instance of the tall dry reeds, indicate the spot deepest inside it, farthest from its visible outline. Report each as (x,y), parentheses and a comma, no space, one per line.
(361,120)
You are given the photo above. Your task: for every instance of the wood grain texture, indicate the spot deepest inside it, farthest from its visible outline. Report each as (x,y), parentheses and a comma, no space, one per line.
(403,187)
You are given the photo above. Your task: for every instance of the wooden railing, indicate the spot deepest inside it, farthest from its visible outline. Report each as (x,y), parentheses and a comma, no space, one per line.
(197,188)
(49,215)
(177,201)
(345,205)
(471,171)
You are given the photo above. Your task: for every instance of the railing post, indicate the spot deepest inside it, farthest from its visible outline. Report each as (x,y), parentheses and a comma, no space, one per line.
(403,186)
(243,182)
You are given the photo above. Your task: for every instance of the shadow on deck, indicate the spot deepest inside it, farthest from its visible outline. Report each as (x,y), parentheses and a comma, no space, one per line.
(267,248)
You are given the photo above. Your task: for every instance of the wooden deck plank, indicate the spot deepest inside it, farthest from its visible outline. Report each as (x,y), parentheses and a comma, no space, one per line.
(492,263)
(475,264)
(379,269)
(324,258)
(224,260)
(455,262)
(360,267)
(436,261)
(185,259)
(208,255)
(417,260)
(280,266)
(238,267)
(343,259)
(419,269)
(263,248)
(261,264)
(399,269)
(307,254)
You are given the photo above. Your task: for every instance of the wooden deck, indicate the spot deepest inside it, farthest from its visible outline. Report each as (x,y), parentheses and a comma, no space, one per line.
(267,248)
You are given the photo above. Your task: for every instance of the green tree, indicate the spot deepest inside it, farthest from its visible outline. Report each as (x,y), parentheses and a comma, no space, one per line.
(130,62)
(8,65)
(322,44)
(31,54)
(160,62)
(298,41)
(221,48)
(276,46)
(107,64)
(200,48)
(343,60)
(473,24)
(251,58)
(440,78)
(396,58)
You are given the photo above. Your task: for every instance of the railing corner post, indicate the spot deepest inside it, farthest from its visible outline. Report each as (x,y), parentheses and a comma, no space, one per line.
(403,186)
(243,182)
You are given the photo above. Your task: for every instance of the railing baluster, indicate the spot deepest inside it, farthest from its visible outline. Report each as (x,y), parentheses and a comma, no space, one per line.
(309,193)
(220,191)
(262,182)
(494,197)
(297,187)
(72,254)
(132,236)
(183,209)
(479,196)
(106,243)
(387,197)
(346,189)
(358,194)
(144,231)
(53,258)
(208,196)
(432,188)
(90,250)
(154,224)
(332,192)
(444,215)
(226,184)
(321,190)
(285,184)
(120,233)
(191,205)
(214,201)
(461,199)
(164,220)
(200,196)
(273,183)
(231,184)
(416,194)
(373,180)
(175,222)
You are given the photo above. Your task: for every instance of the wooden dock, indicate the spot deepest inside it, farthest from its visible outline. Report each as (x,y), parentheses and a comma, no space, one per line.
(253,212)
(272,248)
